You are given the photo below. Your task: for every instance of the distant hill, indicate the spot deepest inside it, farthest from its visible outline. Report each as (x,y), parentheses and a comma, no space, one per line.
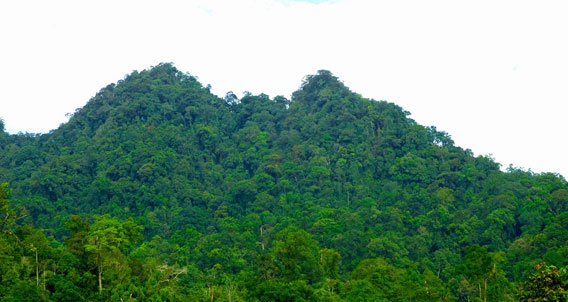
(328,196)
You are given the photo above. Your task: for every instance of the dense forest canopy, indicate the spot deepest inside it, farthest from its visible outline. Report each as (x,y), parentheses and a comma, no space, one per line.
(158,190)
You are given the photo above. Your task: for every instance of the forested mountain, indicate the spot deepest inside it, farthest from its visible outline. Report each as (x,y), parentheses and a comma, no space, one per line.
(158,190)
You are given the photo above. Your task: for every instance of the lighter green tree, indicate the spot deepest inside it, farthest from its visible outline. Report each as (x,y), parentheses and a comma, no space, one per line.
(107,239)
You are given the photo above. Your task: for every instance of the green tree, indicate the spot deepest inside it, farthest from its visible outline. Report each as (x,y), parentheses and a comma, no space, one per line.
(377,280)
(483,274)
(297,254)
(7,213)
(107,239)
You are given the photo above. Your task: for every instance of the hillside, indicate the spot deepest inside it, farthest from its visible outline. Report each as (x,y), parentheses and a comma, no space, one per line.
(158,190)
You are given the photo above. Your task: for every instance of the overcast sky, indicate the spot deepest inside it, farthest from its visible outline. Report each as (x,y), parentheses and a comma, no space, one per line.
(493,74)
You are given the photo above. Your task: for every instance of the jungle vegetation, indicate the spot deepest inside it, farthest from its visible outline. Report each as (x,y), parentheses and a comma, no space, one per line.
(158,190)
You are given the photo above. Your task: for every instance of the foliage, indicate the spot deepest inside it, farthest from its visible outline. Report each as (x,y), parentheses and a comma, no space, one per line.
(547,284)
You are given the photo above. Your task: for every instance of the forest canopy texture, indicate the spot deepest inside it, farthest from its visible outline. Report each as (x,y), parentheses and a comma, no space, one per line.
(158,190)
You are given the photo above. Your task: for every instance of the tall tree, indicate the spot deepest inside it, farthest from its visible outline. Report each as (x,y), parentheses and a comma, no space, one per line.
(107,239)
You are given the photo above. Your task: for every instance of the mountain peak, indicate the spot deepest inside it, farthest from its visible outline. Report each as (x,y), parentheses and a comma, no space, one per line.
(323,79)
(321,88)
(160,94)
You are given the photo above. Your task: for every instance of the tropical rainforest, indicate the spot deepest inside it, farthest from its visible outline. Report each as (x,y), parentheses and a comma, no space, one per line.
(159,190)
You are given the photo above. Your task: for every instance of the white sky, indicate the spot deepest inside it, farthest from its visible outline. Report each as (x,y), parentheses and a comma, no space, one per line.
(493,74)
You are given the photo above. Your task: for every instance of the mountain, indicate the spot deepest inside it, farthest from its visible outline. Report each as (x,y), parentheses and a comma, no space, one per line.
(328,196)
